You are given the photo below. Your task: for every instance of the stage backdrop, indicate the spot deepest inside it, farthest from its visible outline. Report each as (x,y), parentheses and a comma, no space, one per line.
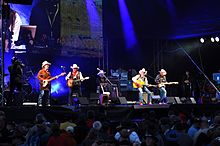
(81,28)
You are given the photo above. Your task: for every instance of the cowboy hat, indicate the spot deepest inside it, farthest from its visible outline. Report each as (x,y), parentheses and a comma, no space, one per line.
(100,73)
(65,125)
(45,63)
(143,70)
(162,70)
(74,66)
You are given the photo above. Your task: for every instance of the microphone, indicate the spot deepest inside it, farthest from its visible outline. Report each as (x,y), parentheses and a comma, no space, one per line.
(62,66)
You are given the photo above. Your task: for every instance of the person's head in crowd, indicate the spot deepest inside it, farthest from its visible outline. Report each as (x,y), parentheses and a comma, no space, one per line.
(67,126)
(165,124)
(2,113)
(181,127)
(214,132)
(215,142)
(69,129)
(11,127)
(183,118)
(90,118)
(216,120)
(171,113)
(174,119)
(196,122)
(2,122)
(204,123)
(55,129)
(97,125)
(150,140)
(40,119)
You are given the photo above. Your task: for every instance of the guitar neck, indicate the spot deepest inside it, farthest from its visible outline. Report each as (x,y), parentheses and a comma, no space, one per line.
(54,78)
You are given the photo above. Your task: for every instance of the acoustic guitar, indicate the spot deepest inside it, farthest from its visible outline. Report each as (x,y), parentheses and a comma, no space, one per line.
(140,84)
(72,82)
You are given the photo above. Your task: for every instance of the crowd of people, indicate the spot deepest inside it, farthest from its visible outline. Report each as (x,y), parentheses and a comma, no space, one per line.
(92,129)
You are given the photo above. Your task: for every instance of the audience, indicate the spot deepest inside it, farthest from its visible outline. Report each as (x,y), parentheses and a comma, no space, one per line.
(91,129)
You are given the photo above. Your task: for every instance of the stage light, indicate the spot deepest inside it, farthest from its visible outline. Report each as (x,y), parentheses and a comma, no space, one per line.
(212,39)
(217,39)
(202,40)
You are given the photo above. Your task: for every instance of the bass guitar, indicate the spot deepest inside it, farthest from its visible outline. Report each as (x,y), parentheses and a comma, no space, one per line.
(47,81)
(72,82)
(167,83)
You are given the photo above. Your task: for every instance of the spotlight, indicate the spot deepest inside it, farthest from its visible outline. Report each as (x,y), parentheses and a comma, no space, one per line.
(217,39)
(202,40)
(212,39)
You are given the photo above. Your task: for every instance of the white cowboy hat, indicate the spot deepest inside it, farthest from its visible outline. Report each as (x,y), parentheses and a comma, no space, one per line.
(74,66)
(143,70)
(46,63)
(101,72)
(162,70)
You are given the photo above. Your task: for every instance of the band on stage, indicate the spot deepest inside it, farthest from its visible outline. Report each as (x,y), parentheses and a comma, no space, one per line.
(105,88)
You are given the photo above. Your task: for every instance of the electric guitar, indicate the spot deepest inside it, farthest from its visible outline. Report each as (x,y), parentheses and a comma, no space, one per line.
(166,83)
(47,81)
(140,84)
(72,82)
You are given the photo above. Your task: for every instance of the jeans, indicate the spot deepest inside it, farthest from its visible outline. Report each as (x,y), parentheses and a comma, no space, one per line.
(46,95)
(141,91)
(163,95)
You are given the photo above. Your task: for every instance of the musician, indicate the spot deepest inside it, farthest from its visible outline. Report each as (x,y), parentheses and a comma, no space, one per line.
(42,75)
(75,88)
(160,80)
(16,75)
(103,86)
(140,80)
(187,84)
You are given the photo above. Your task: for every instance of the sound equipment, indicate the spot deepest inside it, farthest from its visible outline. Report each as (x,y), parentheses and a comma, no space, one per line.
(122,100)
(178,101)
(171,100)
(83,101)
(193,100)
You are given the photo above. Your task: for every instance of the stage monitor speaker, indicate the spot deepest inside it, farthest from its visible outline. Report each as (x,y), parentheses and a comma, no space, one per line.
(171,100)
(193,100)
(178,101)
(83,100)
(122,100)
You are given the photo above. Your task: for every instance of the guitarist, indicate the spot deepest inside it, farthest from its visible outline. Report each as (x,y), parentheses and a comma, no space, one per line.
(160,79)
(44,74)
(141,82)
(76,86)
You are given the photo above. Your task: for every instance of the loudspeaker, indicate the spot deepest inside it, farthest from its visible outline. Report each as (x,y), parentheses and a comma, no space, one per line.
(122,100)
(171,100)
(178,101)
(193,100)
(83,100)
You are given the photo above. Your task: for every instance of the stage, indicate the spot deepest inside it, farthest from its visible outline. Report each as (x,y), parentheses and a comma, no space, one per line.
(113,113)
